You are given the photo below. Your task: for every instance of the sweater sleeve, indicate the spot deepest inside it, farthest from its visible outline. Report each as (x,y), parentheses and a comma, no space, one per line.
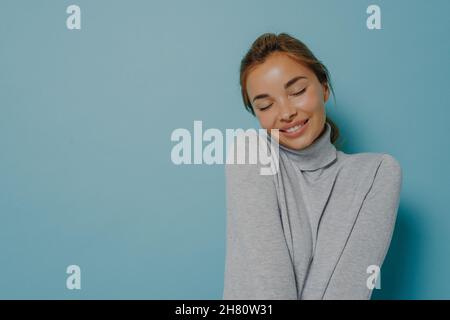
(257,262)
(370,238)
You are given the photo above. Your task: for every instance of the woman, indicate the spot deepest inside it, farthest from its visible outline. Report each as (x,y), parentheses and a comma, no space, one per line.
(319,226)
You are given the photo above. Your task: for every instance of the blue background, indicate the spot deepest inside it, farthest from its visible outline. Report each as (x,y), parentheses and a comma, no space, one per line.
(86,117)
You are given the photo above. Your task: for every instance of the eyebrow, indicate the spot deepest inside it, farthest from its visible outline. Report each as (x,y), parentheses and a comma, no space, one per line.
(287,85)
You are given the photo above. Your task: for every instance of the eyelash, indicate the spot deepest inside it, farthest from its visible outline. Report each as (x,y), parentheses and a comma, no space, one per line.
(294,94)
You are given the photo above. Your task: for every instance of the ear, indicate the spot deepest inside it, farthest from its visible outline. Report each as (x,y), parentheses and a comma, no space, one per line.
(326,92)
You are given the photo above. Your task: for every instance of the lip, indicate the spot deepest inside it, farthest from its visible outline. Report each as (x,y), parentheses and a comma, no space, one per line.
(297,133)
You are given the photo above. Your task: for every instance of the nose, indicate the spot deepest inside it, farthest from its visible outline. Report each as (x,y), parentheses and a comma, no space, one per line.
(287,112)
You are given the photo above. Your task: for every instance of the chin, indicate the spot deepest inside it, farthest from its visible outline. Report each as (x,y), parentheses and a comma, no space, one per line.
(296,144)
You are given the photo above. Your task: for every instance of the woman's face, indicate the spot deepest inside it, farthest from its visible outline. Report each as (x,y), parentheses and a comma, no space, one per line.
(284,94)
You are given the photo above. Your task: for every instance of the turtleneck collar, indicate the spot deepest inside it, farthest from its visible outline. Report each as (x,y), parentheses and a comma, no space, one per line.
(317,155)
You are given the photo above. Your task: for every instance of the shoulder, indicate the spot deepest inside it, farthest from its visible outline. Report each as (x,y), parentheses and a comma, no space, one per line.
(389,171)
(382,170)
(382,162)
(391,162)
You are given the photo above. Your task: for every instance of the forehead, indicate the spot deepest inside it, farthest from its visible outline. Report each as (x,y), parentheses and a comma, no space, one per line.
(275,71)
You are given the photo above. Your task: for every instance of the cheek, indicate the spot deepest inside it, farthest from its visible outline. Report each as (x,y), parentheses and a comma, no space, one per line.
(267,119)
(308,102)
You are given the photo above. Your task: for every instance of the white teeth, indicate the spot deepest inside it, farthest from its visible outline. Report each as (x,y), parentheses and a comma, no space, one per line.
(296,128)
(293,129)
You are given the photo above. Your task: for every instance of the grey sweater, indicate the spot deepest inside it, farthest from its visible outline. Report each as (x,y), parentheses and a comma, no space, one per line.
(312,230)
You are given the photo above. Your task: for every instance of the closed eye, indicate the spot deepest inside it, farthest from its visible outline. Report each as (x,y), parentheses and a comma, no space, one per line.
(294,94)
(299,93)
(262,109)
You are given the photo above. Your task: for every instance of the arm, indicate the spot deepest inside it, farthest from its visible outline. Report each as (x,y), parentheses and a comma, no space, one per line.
(258,264)
(371,235)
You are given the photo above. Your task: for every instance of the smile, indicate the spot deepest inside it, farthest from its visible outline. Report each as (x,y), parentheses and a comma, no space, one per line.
(296,129)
